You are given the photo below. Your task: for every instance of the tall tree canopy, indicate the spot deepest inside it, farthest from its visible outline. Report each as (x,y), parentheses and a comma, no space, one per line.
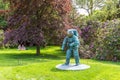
(90,5)
(32,20)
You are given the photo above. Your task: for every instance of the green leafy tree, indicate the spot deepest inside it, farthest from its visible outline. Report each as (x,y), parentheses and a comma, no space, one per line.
(90,5)
(3,13)
(112,8)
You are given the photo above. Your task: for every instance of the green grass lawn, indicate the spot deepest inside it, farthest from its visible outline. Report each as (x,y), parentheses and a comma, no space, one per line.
(25,65)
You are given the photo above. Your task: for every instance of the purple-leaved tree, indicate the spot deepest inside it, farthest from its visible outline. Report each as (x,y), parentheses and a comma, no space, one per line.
(35,20)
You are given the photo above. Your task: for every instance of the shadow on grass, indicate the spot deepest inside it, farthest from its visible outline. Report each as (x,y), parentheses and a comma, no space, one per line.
(24,59)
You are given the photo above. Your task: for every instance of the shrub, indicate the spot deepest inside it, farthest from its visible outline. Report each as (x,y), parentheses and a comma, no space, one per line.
(107,45)
(103,39)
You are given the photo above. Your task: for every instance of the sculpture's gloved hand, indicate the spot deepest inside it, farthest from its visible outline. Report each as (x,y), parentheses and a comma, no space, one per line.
(71,45)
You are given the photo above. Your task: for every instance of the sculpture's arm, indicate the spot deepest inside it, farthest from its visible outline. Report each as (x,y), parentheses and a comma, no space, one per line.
(64,43)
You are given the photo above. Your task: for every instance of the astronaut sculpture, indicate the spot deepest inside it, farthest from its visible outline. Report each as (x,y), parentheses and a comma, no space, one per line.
(72,43)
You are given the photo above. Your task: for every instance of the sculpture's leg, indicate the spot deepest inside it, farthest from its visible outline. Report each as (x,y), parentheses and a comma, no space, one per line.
(68,55)
(76,55)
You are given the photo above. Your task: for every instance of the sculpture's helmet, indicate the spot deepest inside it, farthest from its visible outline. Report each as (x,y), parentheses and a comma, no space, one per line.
(73,32)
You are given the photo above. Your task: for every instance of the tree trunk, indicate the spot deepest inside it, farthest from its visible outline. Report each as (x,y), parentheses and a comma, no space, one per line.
(37,50)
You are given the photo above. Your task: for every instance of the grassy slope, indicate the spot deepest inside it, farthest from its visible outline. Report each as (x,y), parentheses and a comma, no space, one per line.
(24,65)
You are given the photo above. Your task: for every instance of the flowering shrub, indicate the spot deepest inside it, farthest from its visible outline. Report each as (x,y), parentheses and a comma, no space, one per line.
(103,39)
(108,42)
(88,33)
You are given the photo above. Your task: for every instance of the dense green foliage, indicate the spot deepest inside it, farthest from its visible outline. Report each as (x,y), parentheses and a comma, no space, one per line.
(1,38)
(3,7)
(110,11)
(25,65)
(3,22)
